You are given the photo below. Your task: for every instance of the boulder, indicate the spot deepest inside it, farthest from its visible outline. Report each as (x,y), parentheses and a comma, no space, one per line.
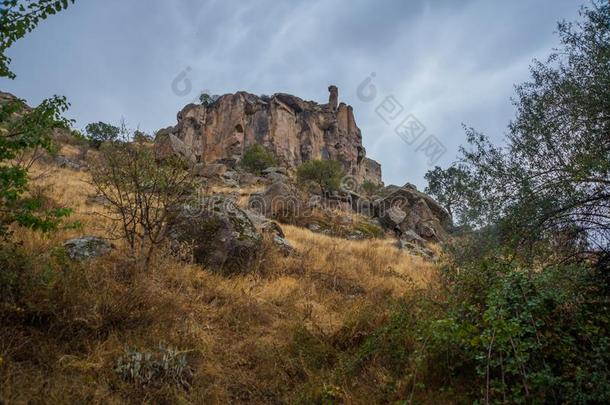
(415,248)
(167,145)
(66,162)
(403,209)
(280,201)
(248,179)
(216,233)
(276,170)
(87,247)
(211,170)
(273,229)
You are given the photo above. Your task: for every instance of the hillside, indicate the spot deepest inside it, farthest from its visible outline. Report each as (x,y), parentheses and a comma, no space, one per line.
(267,336)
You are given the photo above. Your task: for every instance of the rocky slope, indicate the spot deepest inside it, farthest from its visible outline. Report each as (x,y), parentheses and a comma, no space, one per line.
(293,129)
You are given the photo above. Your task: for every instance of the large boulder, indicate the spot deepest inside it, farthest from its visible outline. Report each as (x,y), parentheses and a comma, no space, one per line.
(404,209)
(87,247)
(271,228)
(280,201)
(215,233)
(167,145)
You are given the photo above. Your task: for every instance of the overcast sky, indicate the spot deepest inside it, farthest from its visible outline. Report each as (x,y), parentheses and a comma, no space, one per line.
(446,62)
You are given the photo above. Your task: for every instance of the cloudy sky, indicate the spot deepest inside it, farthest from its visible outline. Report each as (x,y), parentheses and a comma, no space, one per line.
(445,62)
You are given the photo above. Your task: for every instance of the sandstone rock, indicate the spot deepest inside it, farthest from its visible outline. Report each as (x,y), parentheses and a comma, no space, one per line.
(313,227)
(415,249)
(277,170)
(167,145)
(66,162)
(248,179)
(273,229)
(211,170)
(217,234)
(333,97)
(403,209)
(87,247)
(280,201)
(392,217)
(97,200)
(293,129)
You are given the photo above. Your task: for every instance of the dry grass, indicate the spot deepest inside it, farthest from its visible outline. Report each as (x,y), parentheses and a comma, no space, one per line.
(60,343)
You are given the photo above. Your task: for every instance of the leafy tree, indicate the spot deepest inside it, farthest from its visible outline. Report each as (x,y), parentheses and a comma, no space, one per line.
(17,18)
(140,191)
(457,191)
(554,173)
(256,159)
(100,132)
(325,174)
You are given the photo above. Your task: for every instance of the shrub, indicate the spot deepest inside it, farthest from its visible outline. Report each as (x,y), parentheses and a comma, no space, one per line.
(100,132)
(140,192)
(530,336)
(256,159)
(325,174)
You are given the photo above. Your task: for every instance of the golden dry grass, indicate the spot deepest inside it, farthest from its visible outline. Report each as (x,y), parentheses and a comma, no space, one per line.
(239,331)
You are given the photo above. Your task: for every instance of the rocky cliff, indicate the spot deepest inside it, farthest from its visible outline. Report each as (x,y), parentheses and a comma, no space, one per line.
(293,129)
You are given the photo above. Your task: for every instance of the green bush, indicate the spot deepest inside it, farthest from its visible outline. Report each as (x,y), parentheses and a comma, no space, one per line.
(100,132)
(531,336)
(325,174)
(256,159)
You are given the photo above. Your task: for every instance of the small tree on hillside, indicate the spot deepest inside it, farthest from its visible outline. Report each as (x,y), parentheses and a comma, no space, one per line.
(256,159)
(325,174)
(140,192)
(100,132)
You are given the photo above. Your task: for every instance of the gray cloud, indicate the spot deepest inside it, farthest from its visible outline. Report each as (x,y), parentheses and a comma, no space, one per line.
(447,62)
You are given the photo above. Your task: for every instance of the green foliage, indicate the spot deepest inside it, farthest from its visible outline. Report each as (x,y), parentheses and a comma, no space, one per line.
(205,99)
(554,173)
(256,159)
(456,189)
(25,134)
(325,174)
(161,366)
(100,132)
(141,137)
(17,18)
(532,336)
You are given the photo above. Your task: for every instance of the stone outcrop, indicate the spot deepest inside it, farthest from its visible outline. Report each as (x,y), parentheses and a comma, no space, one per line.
(295,130)
(87,247)
(405,209)
(215,233)
(280,201)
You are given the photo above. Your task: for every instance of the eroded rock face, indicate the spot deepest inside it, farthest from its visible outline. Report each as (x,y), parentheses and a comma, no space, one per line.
(293,129)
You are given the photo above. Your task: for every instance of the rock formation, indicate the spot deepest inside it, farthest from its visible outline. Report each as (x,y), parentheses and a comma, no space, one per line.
(293,129)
